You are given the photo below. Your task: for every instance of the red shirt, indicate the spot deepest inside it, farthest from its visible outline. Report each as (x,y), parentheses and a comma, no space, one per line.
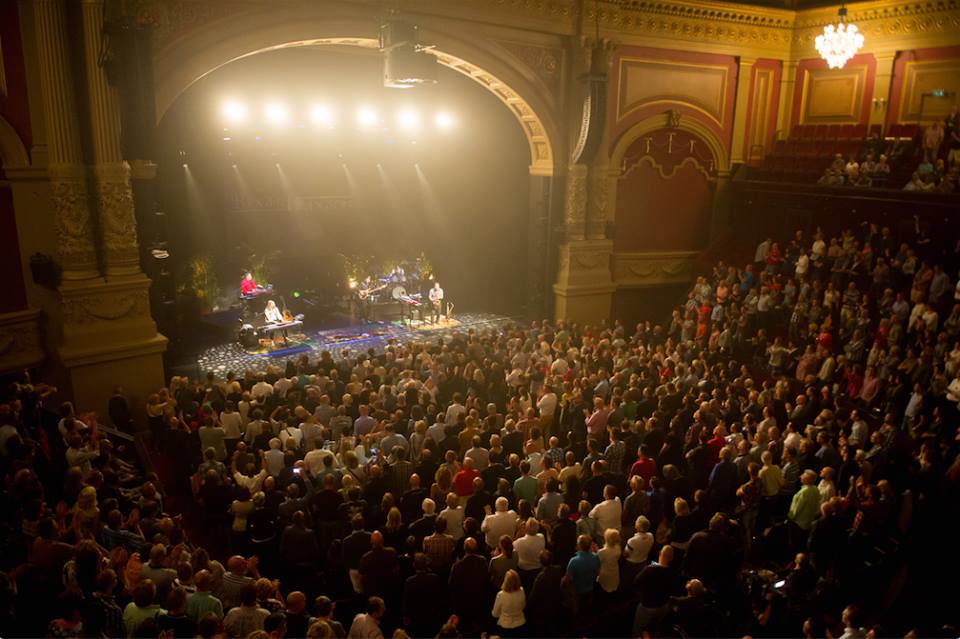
(463,482)
(247,286)
(645,467)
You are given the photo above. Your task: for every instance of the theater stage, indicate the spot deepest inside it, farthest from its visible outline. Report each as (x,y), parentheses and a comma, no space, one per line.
(232,356)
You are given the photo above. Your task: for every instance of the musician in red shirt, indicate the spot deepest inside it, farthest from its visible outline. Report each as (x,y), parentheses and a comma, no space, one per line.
(247,285)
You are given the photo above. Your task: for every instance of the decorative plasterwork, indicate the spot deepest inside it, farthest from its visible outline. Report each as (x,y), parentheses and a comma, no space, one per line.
(20,342)
(584,263)
(672,172)
(106,306)
(545,62)
(652,269)
(118,224)
(884,23)
(68,192)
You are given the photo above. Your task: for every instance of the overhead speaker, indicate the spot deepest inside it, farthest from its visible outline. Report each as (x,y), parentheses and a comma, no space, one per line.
(406,62)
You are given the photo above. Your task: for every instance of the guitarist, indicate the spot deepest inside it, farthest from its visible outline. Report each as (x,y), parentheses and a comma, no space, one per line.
(436,303)
(365,290)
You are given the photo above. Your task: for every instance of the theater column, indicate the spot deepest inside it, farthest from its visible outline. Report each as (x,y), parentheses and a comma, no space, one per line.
(739,153)
(68,186)
(788,86)
(110,337)
(584,288)
(881,87)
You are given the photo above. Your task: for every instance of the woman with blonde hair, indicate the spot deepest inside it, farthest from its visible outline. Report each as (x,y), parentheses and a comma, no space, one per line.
(394,531)
(609,575)
(509,604)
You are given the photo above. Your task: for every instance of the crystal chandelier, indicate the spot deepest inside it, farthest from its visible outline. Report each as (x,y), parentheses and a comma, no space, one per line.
(839,42)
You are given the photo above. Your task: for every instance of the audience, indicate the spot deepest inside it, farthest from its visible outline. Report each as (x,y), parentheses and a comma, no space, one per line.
(770,462)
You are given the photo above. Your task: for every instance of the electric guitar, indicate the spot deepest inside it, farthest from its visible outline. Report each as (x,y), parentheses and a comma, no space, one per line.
(364,293)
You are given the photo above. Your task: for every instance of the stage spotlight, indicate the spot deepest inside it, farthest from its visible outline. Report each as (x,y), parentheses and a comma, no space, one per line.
(235,111)
(276,113)
(322,116)
(367,118)
(444,121)
(296,294)
(408,119)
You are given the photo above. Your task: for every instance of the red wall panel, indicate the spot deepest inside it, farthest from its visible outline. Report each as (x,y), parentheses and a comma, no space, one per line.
(14,107)
(14,297)
(664,198)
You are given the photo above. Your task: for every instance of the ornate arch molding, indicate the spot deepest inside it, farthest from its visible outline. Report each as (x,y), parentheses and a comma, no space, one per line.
(186,59)
(655,123)
(12,151)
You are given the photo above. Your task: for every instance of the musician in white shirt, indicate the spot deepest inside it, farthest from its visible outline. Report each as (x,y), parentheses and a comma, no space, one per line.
(272,313)
(436,302)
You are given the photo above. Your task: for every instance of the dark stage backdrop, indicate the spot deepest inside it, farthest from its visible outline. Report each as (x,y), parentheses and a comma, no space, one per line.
(459,196)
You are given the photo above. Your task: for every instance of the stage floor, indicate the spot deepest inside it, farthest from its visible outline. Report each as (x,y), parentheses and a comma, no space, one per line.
(233,357)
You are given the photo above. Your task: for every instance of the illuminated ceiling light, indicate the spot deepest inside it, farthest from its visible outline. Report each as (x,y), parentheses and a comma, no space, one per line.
(276,113)
(322,116)
(408,119)
(444,121)
(234,111)
(367,118)
(839,42)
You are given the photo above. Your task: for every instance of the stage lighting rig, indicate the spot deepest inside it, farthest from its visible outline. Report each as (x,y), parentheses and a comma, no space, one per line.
(406,62)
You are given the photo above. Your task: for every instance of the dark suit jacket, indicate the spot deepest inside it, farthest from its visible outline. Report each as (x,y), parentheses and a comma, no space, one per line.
(423,527)
(424,602)
(355,545)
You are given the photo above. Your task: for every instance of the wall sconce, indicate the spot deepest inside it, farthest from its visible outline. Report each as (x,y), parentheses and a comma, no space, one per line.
(879,104)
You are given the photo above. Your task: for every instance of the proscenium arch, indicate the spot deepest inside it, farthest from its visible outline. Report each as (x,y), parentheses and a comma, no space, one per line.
(180,63)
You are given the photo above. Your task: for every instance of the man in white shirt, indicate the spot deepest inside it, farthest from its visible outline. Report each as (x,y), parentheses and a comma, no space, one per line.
(455,410)
(436,430)
(262,389)
(608,512)
(436,303)
(479,455)
(529,547)
(283,385)
(859,431)
(548,407)
(274,458)
(499,523)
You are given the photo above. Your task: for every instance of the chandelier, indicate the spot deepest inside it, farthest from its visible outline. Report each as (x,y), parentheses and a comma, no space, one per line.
(839,42)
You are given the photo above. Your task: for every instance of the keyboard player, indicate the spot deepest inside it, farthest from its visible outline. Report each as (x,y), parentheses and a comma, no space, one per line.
(272,314)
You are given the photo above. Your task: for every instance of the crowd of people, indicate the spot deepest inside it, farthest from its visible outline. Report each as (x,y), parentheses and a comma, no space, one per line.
(777,459)
(935,157)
